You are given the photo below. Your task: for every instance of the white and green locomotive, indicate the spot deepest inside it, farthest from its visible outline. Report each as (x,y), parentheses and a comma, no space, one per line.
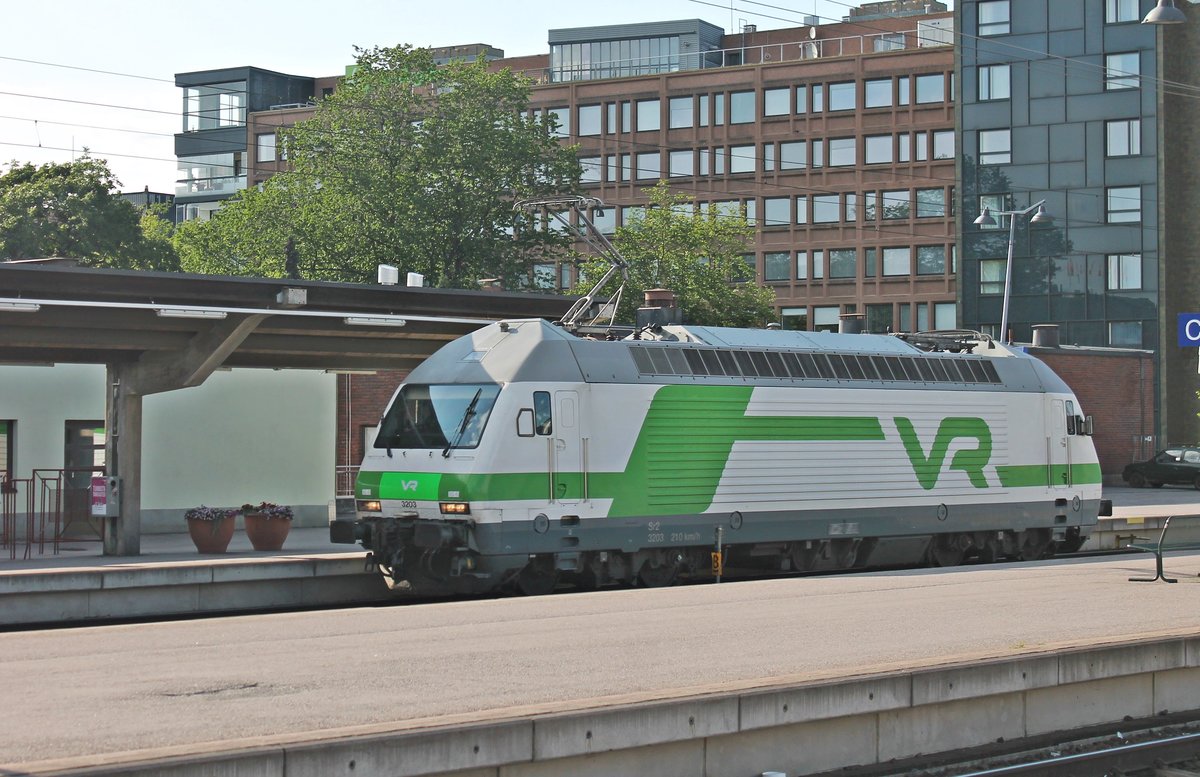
(522,455)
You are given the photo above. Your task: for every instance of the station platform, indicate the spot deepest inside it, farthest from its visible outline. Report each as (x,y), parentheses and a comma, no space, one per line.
(79,584)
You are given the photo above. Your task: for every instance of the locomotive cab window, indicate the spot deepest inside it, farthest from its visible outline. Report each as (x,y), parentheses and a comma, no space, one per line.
(543,423)
(437,416)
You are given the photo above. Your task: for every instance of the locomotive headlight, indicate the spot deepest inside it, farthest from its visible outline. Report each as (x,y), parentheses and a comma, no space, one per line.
(370,506)
(455,508)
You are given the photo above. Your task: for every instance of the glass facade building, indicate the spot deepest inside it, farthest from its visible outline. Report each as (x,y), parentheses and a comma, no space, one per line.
(1059,104)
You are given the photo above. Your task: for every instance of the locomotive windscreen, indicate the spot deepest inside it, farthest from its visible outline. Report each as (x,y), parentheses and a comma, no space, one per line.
(437,416)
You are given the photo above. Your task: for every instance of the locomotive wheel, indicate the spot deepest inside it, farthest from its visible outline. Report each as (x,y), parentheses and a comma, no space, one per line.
(1137,480)
(537,578)
(658,575)
(1196,483)
(803,559)
(948,550)
(1036,544)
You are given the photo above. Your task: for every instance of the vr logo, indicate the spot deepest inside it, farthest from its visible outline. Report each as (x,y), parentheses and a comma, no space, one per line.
(409,485)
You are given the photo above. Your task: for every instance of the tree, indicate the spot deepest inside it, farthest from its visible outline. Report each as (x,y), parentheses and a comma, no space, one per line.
(408,164)
(72,209)
(695,254)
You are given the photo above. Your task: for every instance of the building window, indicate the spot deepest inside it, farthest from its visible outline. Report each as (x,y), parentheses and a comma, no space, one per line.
(902,90)
(841,152)
(544,276)
(265,147)
(214,105)
(818,154)
(1121,71)
(896,204)
(84,451)
(1116,11)
(842,96)
(877,93)
(904,147)
(741,159)
(897,261)
(802,209)
(879,319)
(1124,272)
(561,118)
(775,102)
(818,98)
(995,147)
(649,166)
(931,203)
(994,203)
(943,144)
(626,117)
(801,99)
(795,319)
(878,149)
(889,41)
(850,200)
(993,82)
(648,116)
(777,211)
(679,111)
(843,263)
(931,260)
(991,276)
(741,108)
(825,319)
(8,435)
(777,266)
(1124,204)
(1125,333)
(931,88)
(792,155)
(703,111)
(818,265)
(945,315)
(921,141)
(869,206)
(605,220)
(589,120)
(610,119)
(591,168)
(679,163)
(1123,137)
(993,17)
(825,208)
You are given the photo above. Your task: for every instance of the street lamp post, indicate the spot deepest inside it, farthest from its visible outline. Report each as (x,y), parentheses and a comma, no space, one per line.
(985,220)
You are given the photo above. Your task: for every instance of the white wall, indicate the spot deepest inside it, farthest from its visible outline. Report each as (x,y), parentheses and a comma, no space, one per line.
(242,436)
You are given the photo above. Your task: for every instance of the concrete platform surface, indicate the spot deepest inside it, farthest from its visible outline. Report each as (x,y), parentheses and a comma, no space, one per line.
(123,691)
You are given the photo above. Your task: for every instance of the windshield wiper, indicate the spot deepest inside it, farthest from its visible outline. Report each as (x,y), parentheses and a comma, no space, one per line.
(462,425)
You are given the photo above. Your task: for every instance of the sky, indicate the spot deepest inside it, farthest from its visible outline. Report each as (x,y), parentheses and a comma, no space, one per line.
(51,109)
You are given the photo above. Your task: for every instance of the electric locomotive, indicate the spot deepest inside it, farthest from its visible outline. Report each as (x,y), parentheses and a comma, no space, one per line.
(525,454)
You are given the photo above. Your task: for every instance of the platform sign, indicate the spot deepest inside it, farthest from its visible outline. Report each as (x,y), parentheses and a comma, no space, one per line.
(99,497)
(1188,330)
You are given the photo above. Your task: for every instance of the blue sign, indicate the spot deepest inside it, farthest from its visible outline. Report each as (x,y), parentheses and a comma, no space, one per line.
(1189,330)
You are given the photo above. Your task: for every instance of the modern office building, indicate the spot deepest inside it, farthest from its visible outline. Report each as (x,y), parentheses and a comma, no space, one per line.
(1077,103)
(211,148)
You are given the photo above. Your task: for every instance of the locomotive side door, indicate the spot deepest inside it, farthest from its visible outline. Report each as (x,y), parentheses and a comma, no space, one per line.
(568,460)
(1057,450)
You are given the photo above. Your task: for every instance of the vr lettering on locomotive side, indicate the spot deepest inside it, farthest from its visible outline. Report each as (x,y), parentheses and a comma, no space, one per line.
(409,485)
(971,461)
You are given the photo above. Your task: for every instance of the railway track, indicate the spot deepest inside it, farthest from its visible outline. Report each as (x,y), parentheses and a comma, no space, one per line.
(1172,751)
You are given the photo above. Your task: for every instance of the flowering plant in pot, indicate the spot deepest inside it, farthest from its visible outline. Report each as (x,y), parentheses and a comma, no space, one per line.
(267,524)
(210,528)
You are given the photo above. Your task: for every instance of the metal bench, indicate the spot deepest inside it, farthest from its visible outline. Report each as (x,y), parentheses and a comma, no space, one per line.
(1157,549)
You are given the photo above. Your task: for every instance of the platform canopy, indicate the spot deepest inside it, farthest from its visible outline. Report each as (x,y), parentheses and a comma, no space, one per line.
(54,314)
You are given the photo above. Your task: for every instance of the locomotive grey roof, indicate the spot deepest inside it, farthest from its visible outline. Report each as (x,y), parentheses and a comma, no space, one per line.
(534,350)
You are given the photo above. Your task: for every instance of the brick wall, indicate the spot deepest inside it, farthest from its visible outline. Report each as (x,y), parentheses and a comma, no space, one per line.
(1117,389)
(361,401)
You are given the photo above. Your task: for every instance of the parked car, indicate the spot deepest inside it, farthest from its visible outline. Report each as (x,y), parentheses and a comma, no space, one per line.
(1180,464)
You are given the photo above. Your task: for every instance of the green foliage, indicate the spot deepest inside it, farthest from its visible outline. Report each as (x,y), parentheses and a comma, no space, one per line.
(72,209)
(405,164)
(697,255)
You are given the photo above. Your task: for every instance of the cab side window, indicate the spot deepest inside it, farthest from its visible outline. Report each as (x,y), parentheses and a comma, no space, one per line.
(542,421)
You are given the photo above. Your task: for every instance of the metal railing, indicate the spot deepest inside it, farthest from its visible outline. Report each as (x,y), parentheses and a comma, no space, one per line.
(49,506)
(344,477)
(791,51)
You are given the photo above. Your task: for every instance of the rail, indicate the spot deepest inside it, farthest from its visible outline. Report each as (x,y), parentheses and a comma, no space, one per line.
(1157,549)
(344,477)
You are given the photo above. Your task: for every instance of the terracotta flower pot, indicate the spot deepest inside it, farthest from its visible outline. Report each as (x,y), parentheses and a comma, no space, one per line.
(266,533)
(211,536)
